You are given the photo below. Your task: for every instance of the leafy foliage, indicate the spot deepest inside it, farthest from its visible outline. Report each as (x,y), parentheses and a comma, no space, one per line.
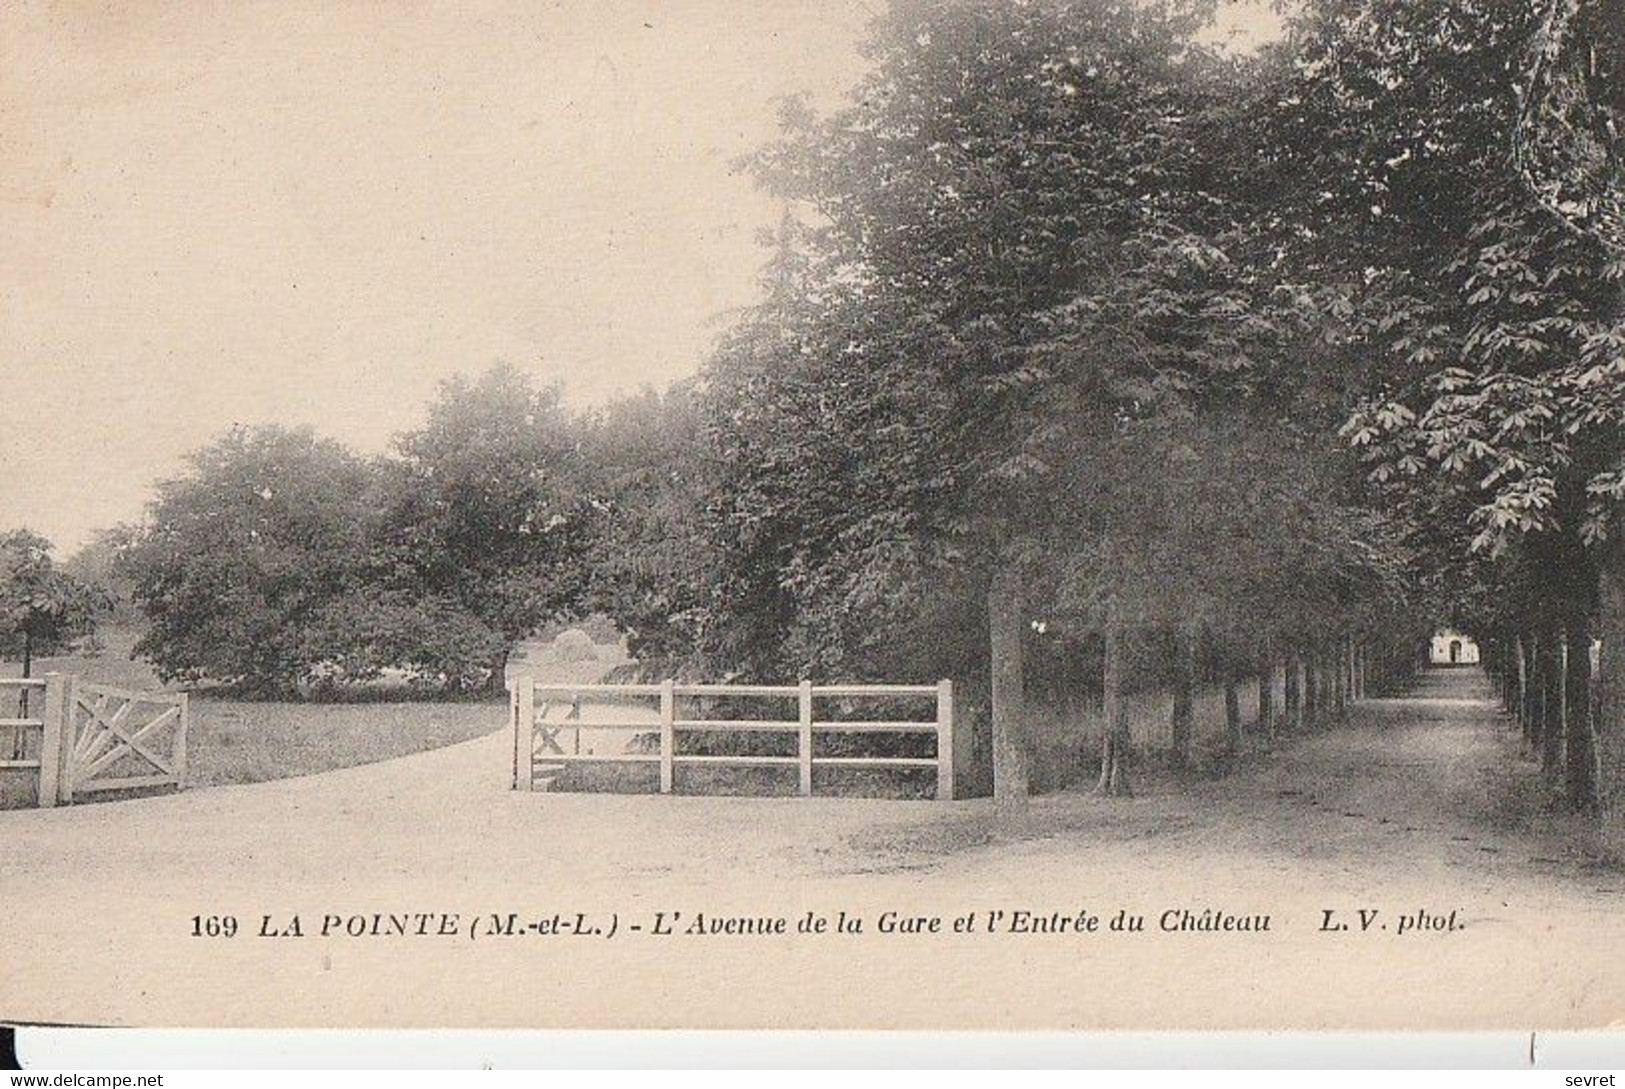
(648,476)
(1501,326)
(1025,317)
(486,519)
(242,559)
(284,560)
(43,609)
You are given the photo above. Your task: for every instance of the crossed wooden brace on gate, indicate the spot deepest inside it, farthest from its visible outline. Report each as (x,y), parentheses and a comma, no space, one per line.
(548,736)
(96,750)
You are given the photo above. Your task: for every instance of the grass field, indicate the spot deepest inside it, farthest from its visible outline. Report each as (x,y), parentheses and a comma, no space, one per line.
(246,741)
(237,742)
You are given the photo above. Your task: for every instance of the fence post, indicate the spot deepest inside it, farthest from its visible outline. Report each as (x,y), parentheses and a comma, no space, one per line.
(668,734)
(50,748)
(804,748)
(65,769)
(945,741)
(524,723)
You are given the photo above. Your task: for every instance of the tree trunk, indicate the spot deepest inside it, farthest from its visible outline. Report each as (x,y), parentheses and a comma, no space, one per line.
(1508,671)
(1292,696)
(1266,701)
(1179,752)
(1004,612)
(1323,688)
(1579,748)
(1232,712)
(1515,678)
(1338,679)
(1311,690)
(1551,719)
(1609,728)
(496,681)
(1114,754)
(1539,683)
(1522,711)
(1339,673)
(1514,672)
(1503,673)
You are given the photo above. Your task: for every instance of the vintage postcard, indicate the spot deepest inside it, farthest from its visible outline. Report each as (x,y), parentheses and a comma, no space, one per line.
(813,514)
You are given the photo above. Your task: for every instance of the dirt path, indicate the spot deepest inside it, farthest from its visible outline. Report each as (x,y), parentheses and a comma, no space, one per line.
(1414,805)
(1433,783)
(1435,780)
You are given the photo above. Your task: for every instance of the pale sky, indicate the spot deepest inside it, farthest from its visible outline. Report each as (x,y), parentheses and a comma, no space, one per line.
(217,213)
(310,213)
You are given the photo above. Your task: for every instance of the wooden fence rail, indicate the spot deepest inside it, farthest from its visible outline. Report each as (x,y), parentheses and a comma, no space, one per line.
(539,755)
(28,745)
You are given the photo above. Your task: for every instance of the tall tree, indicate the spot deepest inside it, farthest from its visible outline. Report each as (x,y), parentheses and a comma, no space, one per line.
(1570,152)
(487,518)
(242,557)
(647,476)
(43,608)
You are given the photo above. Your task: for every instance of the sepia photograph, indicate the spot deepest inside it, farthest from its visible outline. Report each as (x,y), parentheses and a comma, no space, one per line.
(813,514)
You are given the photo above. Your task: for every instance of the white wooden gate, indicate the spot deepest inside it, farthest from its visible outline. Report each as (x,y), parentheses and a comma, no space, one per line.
(120,739)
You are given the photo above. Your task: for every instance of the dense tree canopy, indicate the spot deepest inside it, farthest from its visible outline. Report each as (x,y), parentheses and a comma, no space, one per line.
(648,478)
(243,557)
(487,515)
(1010,338)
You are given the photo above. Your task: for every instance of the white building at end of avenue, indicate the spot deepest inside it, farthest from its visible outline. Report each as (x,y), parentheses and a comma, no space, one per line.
(1449,648)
